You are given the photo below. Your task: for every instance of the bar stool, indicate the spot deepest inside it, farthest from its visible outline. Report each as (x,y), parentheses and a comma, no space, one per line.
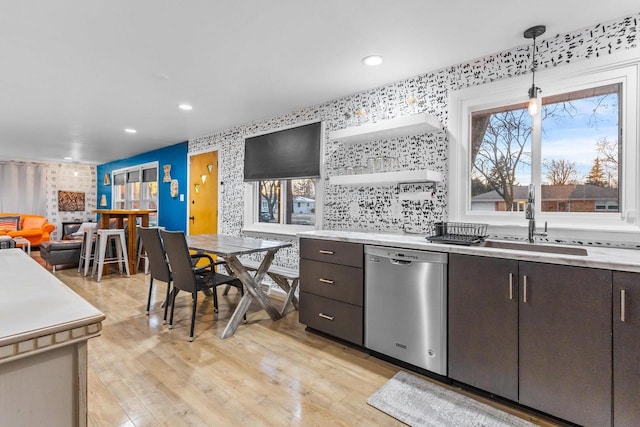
(87,250)
(104,235)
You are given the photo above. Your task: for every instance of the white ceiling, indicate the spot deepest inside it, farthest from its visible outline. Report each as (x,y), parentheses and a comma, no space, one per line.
(75,73)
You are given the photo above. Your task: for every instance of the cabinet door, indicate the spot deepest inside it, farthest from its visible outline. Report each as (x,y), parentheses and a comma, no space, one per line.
(565,342)
(483,323)
(626,348)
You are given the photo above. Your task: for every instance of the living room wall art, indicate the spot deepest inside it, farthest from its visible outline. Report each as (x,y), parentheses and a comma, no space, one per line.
(70,201)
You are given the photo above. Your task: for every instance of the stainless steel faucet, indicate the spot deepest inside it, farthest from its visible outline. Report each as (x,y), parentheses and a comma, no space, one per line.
(530,214)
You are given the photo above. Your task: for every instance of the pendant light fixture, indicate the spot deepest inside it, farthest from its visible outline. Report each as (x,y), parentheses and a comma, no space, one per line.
(532,33)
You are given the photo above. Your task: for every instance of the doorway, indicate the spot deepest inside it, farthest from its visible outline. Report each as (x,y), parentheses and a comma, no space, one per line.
(203,193)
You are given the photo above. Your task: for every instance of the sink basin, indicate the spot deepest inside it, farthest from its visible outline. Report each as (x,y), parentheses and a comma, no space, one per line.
(562,250)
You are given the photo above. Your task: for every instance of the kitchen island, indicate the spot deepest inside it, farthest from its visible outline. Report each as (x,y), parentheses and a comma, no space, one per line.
(44,328)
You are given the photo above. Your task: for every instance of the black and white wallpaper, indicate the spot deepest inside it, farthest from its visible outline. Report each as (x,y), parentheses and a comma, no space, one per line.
(379,207)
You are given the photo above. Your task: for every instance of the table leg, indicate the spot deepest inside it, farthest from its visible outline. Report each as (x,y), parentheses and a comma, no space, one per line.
(237,316)
(252,286)
(132,231)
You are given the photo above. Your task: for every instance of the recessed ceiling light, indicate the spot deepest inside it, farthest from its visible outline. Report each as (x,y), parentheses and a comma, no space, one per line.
(130,130)
(185,107)
(68,158)
(372,60)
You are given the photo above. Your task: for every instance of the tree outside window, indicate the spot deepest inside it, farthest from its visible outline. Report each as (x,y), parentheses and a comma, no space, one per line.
(579,146)
(295,198)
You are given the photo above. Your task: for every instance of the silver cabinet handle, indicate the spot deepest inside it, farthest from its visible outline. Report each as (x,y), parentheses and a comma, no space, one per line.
(623,304)
(324,316)
(524,289)
(326,252)
(327,281)
(510,286)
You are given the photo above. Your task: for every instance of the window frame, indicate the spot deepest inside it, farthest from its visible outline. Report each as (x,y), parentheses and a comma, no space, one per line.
(567,78)
(127,199)
(252,193)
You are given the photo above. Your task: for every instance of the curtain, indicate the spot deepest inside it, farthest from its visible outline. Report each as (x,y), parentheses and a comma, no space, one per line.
(23,188)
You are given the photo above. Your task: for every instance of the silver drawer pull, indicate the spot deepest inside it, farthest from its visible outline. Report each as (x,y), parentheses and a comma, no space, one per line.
(524,293)
(327,281)
(326,252)
(510,286)
(623,304)
(324,316)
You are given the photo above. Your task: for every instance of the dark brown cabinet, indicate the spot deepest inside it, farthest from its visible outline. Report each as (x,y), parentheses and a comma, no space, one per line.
(626,348)
(332,288)
(539,334)
(483,323)
(565,341)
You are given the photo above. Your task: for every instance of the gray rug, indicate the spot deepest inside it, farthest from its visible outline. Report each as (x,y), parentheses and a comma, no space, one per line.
(418,402)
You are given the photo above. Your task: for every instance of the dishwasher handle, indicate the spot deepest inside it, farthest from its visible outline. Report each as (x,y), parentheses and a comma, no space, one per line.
(399,261)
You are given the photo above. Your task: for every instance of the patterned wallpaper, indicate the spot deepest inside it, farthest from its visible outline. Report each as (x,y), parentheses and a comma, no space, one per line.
(61,176)
(378,207)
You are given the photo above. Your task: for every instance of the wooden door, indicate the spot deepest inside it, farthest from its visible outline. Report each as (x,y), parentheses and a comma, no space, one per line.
(626,348)
(483,323)
(203,193)
(565,342)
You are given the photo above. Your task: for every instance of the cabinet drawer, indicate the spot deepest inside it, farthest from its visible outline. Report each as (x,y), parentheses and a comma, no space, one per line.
(332,317)
(331,251)
(339,282)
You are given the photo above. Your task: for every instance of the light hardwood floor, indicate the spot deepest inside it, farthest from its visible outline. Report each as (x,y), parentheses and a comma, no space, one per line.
(268,374)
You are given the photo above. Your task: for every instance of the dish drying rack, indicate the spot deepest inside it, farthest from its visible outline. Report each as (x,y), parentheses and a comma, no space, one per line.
(457,233)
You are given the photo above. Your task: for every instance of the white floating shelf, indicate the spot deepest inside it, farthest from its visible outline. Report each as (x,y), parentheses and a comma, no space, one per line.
(387,129)
(387,178)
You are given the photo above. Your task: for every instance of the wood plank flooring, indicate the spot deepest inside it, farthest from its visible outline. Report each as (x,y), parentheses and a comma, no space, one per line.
(268,374)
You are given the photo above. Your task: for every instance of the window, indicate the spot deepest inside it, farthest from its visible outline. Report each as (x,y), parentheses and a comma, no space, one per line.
(286,197)
(580,152)
(282,171)
(136,188)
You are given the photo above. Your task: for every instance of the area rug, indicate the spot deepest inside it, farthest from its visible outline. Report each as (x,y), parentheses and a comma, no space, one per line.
(418,402)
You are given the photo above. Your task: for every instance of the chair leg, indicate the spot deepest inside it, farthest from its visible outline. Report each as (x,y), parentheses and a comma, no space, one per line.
(123,255)
(100,263)
(193,315)
(173,305)
(215,299)
(149,298)
(167,302)
(241,289)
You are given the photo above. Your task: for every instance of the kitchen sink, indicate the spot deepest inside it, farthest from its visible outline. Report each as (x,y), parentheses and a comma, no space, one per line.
(534,247)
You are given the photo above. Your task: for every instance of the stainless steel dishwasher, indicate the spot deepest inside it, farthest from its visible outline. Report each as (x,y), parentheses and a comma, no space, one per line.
(406,306)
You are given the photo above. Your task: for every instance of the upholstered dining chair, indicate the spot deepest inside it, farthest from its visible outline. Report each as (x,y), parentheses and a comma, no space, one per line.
(192,279)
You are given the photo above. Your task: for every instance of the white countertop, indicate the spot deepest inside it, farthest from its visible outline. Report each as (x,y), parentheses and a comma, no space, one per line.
(35,303)
(598,257)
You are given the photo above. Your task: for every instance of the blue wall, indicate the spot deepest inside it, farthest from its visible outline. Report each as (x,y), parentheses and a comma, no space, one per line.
(172,213)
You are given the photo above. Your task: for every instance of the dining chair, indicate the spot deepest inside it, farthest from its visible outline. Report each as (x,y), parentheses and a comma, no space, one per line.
(159,268)
(157,261)
(188,278)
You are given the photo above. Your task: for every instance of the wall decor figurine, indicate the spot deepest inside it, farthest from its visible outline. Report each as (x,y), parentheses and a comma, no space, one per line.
(106,180)
(167,175)
(174,188)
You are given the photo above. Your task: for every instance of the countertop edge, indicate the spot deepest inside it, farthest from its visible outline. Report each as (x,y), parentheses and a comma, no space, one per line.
(602,258)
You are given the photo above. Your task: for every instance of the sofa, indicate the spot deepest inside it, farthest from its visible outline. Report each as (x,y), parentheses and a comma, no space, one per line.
(34,228)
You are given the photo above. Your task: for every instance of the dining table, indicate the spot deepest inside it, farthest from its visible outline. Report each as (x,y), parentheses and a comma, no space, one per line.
(132,228)
(230,248)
